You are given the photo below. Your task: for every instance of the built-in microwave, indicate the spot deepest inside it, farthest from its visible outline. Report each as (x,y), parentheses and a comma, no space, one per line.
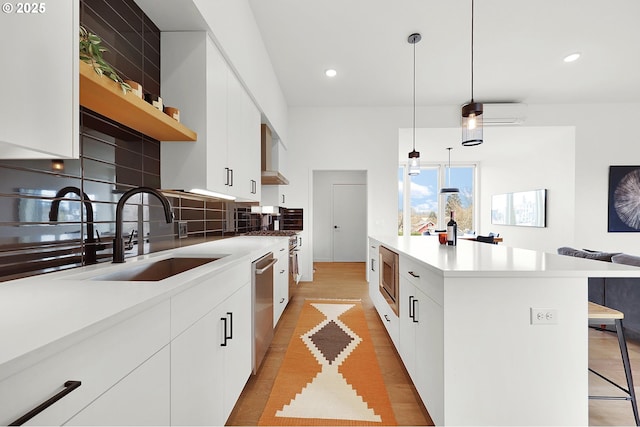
(390,278)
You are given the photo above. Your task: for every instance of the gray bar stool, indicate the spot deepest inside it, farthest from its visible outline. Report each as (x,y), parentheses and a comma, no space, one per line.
(602,315)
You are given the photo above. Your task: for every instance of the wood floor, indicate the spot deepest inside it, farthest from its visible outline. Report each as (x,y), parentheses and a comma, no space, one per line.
(347,280)
(333,280)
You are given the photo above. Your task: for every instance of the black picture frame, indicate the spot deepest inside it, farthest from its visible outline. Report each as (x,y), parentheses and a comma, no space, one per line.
(624,199)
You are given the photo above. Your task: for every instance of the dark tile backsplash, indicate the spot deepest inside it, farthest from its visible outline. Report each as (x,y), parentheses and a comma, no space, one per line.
(113,159)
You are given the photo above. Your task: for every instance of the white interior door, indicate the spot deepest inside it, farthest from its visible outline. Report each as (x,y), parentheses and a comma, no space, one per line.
(349,223)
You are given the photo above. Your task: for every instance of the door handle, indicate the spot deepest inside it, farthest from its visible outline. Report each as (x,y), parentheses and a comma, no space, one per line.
(265,268)
(230,328)
(69,386)
(335,226)
(415,318)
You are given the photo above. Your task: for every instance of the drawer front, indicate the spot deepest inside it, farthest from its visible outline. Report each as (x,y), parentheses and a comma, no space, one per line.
(424,279)
(98,362)
(194,303)
(389,318)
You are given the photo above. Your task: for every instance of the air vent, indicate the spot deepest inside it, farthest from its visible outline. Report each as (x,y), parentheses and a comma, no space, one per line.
(504,114)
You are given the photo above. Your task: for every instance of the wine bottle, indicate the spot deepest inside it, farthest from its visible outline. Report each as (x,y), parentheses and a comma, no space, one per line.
(452,231)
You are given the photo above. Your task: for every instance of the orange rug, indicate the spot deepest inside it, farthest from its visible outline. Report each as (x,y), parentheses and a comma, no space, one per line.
(330,374)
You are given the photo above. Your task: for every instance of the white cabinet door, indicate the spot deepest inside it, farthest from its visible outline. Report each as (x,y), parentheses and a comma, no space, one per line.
(197,372)
(408,325)
(237,352)
(140,398)
(428,370)
(211,362)
(243,137)
(280,282)
(39,114)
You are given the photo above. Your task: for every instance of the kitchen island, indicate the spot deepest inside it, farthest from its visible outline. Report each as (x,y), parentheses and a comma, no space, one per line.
(470,336)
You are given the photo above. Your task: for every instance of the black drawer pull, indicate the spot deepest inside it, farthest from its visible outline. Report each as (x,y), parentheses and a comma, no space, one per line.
(281,300)
(69,386)
(387,318)
(417,276)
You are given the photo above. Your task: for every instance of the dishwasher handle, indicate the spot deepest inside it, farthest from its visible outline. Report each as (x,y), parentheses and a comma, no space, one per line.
(267,267)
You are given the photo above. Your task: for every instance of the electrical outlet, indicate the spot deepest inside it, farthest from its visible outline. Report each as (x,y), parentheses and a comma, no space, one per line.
(544,316)
(182,229)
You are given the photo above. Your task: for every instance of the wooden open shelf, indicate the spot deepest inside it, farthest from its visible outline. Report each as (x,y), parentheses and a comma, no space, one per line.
(104,96)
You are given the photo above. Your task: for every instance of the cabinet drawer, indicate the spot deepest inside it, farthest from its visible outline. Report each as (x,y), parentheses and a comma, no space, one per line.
(194,303)
(423,278)
(98,362)
(389,318)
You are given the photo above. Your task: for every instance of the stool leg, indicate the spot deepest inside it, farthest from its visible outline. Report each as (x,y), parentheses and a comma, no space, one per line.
(627,369)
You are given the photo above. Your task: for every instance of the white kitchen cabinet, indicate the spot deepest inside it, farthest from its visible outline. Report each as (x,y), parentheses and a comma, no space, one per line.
(140,398)
(40,113)
(226,157)
(421,337)
(211,362)
(373,274)
(280,280)
(99,362)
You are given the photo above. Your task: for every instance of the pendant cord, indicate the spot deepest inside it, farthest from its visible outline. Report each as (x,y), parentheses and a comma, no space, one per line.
(472,16)
(414,96)
(449,170)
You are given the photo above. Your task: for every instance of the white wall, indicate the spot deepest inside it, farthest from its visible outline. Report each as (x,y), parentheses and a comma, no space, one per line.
(367,139)
(513,159)
(323,182)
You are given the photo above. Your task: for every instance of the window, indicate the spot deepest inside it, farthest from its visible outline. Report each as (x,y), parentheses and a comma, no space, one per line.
(421,207)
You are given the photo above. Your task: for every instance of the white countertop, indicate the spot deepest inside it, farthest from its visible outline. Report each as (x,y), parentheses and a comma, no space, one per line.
(43,314)
(470,258)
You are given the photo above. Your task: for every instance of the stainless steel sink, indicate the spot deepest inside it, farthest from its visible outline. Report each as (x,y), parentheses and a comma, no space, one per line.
(156,271)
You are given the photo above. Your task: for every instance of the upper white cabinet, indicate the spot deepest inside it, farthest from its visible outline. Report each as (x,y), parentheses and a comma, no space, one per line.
(39,115)
(226,157)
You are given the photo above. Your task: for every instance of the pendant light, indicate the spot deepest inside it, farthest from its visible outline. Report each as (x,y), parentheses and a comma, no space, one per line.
(448,189)
(472,112)
(414,156)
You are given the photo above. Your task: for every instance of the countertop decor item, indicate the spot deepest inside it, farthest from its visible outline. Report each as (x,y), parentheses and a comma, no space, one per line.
(136,88)
(472,111)
(91,52)
(154,100)
(330,374)
(172,112)
(414,156)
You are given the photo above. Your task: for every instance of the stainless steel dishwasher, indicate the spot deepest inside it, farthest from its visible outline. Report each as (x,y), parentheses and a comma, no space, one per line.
(262,306)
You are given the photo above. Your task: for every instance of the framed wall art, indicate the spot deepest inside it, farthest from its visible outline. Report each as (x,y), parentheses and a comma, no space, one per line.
(624,199)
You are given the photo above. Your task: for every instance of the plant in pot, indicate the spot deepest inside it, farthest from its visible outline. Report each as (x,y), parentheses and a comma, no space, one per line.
(91,52)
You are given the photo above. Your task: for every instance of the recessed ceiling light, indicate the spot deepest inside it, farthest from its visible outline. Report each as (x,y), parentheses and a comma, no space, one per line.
(330,72)
(572,57)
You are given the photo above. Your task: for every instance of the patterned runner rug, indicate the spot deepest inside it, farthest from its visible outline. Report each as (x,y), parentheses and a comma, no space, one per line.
(330,374)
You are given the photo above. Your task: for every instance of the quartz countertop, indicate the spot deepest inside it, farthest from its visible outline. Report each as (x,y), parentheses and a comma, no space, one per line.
(43,314)
(470,258)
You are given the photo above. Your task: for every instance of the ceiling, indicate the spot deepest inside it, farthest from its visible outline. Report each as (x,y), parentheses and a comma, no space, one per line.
(518,50)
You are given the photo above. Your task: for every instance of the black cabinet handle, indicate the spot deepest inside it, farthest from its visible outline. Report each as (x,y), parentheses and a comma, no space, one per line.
(373,264)
(231,184)
(413,304)
(417,276)
(411,307)
(69,386)
(387,318)
(227,326)
(281,300)
(226,176)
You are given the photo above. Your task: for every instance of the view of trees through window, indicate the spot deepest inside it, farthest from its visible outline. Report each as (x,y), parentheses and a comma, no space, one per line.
(421,207)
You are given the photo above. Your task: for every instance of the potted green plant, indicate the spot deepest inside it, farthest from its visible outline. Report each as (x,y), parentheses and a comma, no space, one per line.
(91,52)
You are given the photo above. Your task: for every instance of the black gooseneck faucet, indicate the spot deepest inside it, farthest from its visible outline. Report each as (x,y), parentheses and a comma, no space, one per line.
(118,241)
(90,248)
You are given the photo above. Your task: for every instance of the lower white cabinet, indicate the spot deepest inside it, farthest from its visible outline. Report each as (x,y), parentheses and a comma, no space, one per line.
(142,398)
(102,363)
(280,281)
(421,340)
(211,362)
